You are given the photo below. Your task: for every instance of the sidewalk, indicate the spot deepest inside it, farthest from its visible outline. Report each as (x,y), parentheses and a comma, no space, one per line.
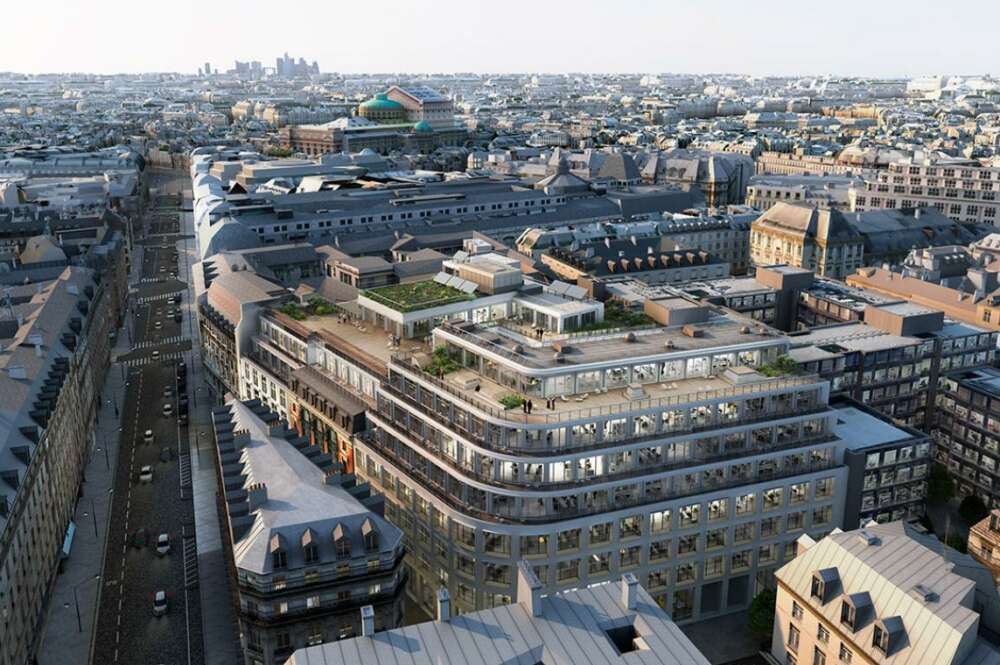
(218,620)
(70,614)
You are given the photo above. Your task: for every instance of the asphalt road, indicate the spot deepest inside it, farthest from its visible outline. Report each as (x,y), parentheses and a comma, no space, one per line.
(127,631)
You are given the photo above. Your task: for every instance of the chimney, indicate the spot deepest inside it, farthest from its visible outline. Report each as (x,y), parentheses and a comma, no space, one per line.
(529,589)
(630,591)
(367,621)
(443,605)
(256,496)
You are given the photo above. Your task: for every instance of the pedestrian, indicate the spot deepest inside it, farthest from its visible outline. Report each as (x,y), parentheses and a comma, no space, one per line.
(529,406)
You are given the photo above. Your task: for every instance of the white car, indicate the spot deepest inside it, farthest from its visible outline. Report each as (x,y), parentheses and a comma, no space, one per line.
(162,544)
(146,474)
(147,436)
(160,603)
(168,408)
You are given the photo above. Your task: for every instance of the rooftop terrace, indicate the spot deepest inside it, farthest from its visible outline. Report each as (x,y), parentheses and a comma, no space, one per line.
(416,295)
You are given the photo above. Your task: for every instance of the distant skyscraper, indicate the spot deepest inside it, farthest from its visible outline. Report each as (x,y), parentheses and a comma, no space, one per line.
(208,69)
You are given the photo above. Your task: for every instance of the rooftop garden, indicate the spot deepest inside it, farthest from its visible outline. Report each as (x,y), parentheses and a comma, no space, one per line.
(617,315)
(441,363)
(782,366)
(416,296)
(314,306)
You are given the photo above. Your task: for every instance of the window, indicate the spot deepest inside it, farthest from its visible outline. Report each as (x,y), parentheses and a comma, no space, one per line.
(279,559)
(880,639)
(817,590)
(819,658)
(845,654)
(793,638)
(796,610)
(822,634)
(848,615)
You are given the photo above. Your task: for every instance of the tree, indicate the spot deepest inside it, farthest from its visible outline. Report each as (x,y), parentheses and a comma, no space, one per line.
(940,486)
(972,509)
(955,542)
(760,616)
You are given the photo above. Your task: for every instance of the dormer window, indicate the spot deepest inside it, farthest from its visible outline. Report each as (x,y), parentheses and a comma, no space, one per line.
(341,542)
(279,553)
(817,588)
(888,635)
(824,585)
(880,639)
(370,534)
(854,610)
(848,614)
(310,550)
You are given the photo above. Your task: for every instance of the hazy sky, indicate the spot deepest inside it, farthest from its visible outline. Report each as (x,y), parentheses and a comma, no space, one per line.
(862,37)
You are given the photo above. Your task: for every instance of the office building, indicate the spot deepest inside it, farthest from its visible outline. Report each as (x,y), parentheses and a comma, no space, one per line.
(600,625)
(306,545)
(967,432)
(883,594)
(661,451)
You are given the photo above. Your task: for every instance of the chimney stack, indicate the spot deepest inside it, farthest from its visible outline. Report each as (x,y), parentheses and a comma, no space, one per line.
(630,591)
(367,621)
(443,605)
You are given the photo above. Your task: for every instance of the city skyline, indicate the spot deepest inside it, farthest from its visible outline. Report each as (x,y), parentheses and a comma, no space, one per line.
(762,39)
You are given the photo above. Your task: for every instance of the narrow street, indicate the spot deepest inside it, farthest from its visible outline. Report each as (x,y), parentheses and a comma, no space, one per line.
(143,508)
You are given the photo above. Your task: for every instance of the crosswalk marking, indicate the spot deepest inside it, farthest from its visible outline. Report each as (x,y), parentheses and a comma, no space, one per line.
(145,344)
(190,562)
(139,362)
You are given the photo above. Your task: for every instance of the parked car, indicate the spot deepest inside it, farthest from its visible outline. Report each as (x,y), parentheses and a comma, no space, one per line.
(147,436)
(162,544)
(146,474)
(168,409)
(166,454)
(139,538)
(160,603)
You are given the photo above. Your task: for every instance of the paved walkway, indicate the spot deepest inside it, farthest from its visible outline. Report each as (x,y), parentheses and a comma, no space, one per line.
(69,624)
(724,639)
(218,621)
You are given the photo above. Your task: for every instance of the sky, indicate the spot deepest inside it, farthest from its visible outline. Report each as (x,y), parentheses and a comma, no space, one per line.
(885,38)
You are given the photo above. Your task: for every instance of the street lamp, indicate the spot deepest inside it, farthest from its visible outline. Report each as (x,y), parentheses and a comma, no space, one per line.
(76,599)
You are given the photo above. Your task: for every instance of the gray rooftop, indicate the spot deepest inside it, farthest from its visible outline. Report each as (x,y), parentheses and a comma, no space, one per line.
(570,629)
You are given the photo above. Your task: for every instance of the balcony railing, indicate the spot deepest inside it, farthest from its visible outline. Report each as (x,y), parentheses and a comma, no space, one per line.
(625,407)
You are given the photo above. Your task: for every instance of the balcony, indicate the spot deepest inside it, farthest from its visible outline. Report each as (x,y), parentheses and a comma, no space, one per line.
(607,402)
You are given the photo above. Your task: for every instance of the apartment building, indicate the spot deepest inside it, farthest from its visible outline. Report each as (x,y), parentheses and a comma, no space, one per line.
(883,594)
(599,625)
(55,353)
(307,545)
(984,542)
(785,163)
(964,190)
(660,451)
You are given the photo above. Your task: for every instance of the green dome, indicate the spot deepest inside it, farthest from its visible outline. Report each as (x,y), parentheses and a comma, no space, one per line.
(423,126)
(381,102)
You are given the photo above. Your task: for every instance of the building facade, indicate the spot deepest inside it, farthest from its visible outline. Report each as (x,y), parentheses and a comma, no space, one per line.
(307,546)
(56,354)
(964,190)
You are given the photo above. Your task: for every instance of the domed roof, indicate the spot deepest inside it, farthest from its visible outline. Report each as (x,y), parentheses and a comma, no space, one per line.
(381,102)
(423,126)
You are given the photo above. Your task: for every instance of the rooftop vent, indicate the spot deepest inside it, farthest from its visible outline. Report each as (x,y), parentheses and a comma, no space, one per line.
(867,537)
(923,594)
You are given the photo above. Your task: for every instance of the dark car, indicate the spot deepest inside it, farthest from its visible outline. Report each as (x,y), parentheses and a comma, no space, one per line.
(166,454)
(139,538)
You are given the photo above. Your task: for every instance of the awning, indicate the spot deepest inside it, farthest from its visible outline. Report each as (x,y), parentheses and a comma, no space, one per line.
(68,540)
